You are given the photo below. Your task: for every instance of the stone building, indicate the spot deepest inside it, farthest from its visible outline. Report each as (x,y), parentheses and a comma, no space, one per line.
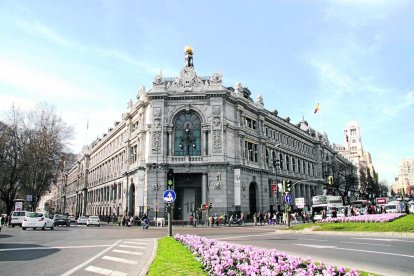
(222,147)
(353,150)
(404,182)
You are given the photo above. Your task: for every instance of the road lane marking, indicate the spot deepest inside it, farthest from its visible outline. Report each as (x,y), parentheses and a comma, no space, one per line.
(76,268)
(367,243)
(138,243)
(54,247)
(132,246)
(315,245)
(119,260)
(356,250)
(246,236)
(104,271)
(311,239)
(378,239)
(126,252)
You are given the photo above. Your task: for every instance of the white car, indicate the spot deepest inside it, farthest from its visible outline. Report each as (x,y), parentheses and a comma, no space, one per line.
(93,220)
(17,217)
(82,220)
(411,207)
(38,220)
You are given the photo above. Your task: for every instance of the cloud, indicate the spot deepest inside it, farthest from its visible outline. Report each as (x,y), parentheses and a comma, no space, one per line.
(359,13)
(400,104)
(35,83)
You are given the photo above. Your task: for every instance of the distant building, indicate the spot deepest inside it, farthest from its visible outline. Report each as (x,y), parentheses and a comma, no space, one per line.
(220,145)
(404,182)
(353,150)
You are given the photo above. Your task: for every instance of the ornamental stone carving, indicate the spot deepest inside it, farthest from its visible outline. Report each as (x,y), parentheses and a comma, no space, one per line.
(158,80)
(157,112)
(216,110)
(216,78)
(217,129)
(187,81)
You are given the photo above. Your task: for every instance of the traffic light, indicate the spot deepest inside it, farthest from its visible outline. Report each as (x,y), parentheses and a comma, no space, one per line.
(330,180)
(170,178)
(283,186)
(288,185)
(218,177)
(210,205)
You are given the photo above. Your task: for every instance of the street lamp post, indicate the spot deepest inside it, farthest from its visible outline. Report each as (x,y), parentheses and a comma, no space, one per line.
(276,164)
(156,186)
(188,140)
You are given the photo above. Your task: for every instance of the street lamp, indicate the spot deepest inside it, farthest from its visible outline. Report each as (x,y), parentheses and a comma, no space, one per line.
(276,164)
(156,185)
(188,140)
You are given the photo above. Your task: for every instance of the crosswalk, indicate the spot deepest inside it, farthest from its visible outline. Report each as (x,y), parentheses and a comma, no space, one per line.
(123,259)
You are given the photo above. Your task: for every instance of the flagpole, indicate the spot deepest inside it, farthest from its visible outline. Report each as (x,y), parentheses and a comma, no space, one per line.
(87,128)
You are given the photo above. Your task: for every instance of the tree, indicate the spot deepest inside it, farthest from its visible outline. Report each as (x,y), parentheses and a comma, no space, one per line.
(47,136)
(383,188)
(12,143)
(31,148)
(363,185)
(344,180)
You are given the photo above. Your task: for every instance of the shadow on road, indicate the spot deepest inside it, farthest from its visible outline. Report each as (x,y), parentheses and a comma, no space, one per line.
(5,236)
(24,252)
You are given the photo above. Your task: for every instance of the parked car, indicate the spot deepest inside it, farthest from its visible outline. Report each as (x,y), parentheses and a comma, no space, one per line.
(61,220)
(82,220)
(93,220)
(395,207)
(38,220)
(72,218)
(17,217)
(411,207)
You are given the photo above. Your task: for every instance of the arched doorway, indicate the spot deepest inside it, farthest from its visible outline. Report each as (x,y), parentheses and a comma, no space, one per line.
(252,197)
(131,209)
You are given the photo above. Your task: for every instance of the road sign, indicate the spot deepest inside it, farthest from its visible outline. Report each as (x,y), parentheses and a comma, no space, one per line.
(381,200)
(169,196)
(288,198)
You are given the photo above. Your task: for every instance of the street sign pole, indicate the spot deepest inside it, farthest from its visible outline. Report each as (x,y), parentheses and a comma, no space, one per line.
(169,197)
(169,208)
(288,200)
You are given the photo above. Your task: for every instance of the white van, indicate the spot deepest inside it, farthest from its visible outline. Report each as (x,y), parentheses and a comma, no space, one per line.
(17,217)
(394,207)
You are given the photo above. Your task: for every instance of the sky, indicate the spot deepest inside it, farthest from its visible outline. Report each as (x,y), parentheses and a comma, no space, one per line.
(88,58)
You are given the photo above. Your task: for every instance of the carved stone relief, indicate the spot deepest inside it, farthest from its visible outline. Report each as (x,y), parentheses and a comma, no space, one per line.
(216,125)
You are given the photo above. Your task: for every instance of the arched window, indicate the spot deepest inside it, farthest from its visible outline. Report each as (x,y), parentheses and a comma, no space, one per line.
(187,134)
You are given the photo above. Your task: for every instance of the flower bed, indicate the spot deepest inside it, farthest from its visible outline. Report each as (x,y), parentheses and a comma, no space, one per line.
(223,258)
(366,218)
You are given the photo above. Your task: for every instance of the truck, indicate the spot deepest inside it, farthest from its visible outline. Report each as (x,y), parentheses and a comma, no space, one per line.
(328,204)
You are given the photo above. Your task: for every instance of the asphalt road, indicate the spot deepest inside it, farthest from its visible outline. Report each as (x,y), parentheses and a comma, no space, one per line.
(72,250)
(75,250)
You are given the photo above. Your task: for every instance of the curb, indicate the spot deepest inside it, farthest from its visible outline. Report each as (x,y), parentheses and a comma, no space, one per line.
(147,265)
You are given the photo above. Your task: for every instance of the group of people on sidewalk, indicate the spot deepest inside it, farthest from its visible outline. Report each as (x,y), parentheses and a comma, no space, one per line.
(278,217)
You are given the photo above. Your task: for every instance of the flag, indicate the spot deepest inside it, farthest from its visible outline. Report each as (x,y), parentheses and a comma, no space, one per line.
(317,108)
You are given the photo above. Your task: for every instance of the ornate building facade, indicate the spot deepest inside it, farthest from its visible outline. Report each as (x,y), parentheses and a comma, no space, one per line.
(222,147)
(404,182)
(353,150)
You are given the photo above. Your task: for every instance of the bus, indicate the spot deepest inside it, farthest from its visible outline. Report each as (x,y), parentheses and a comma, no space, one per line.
(328,204)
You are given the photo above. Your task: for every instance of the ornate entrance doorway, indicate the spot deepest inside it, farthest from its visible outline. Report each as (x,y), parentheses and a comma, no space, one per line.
(188,190)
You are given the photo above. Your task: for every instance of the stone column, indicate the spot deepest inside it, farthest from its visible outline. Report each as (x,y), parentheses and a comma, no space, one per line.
(204,188)
(170,143)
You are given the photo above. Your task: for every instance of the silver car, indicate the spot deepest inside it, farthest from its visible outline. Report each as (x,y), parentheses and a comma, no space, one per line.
(93,220)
